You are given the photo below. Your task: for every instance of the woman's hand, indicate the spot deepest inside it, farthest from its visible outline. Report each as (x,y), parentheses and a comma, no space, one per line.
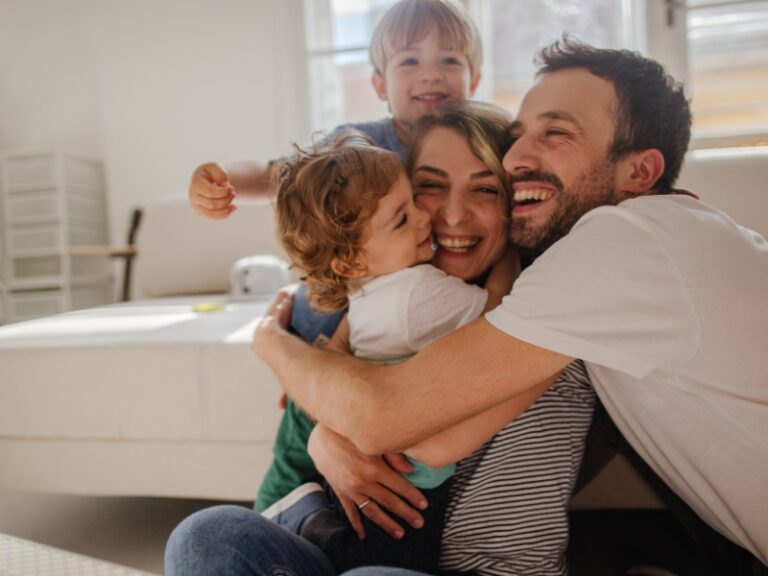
(358,478)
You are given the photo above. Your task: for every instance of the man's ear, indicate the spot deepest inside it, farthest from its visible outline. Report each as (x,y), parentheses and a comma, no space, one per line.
(640,171)
(473,82)
(380,86)
(354,269)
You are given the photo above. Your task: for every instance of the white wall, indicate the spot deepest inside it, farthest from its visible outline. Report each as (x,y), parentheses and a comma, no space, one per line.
(48,82)
(154,87)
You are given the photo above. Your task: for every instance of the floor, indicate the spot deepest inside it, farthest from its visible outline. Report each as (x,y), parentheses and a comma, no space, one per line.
(133,532)
(127,531)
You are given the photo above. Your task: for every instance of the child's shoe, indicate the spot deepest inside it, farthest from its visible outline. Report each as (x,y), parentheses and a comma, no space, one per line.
(292,509)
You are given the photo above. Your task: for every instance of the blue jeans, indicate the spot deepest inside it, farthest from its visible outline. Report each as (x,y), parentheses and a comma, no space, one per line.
(236,541)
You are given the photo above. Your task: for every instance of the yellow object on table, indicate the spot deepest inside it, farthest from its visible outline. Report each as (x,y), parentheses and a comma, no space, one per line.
(208,307)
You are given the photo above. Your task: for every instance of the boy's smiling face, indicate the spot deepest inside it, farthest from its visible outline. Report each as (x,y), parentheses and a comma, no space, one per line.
(420,78)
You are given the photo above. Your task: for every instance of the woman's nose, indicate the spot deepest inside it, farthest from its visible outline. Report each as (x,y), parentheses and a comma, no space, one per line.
(454,210)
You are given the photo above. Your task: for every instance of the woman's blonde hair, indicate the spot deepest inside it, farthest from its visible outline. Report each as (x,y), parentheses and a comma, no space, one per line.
(325,199)
(409,21)
(485,127)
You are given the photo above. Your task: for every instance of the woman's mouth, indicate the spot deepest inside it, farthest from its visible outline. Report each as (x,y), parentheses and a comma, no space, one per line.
(457,244)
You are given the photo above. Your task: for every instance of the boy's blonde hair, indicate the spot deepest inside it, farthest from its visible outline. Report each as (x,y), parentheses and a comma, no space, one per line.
(484,126)
(409,21)
(325,199)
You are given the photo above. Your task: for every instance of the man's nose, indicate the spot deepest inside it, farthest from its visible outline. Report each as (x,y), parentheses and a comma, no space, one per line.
(522,156)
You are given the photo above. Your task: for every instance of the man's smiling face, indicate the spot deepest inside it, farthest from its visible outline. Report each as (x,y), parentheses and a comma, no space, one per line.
(560,165)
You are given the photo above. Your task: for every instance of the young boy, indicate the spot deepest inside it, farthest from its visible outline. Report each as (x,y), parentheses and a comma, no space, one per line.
(425,53)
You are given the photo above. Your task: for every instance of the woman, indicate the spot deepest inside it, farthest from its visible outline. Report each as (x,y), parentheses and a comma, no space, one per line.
(461,193)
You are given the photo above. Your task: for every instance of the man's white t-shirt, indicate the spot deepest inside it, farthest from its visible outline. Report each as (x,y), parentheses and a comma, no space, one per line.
(666,300)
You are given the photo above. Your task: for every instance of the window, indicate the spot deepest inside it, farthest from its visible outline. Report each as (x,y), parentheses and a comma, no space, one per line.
(725,66)
(728,71)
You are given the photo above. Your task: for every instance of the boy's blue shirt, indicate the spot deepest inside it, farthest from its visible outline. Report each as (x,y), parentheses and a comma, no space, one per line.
(382,132)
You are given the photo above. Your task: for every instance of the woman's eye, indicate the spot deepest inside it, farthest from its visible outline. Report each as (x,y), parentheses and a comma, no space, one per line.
(427,185)
(488,190)
(403,221)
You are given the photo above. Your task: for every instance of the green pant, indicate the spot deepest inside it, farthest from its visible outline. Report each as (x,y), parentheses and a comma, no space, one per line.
(291,465)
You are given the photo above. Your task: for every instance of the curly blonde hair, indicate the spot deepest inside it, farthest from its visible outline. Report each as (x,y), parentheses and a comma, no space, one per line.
(325,199)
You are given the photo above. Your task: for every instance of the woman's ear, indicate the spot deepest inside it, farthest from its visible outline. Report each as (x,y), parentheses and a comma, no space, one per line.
(640,171)
(380,86)
(355,269)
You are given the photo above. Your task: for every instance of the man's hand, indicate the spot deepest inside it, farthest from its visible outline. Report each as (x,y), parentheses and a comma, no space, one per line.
(358,478)
(210,192)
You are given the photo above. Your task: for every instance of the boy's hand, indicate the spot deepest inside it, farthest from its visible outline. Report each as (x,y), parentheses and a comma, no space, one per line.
(210,192)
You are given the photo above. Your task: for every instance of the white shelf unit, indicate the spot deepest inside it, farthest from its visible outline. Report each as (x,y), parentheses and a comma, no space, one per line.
(52,201)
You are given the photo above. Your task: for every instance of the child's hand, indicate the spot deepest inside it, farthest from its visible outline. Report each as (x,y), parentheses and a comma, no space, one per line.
(210,192)
(502,276)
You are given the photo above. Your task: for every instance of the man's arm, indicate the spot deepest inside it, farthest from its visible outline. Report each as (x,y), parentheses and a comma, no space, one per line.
(391,408)
(459,441)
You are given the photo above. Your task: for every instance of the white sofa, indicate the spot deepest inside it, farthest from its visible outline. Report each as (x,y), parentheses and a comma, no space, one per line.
(151,398)
(148,397)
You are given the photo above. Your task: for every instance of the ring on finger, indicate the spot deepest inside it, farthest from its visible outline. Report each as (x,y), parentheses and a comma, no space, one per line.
(363,504)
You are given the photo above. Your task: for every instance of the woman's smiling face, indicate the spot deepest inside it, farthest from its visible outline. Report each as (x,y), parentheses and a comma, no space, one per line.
(462,196)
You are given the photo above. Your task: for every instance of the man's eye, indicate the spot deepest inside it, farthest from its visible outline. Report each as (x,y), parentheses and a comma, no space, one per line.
(488,190)
(555,132)
(403,221)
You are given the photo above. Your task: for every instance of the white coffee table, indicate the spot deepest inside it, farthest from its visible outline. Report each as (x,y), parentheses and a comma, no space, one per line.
(20,557)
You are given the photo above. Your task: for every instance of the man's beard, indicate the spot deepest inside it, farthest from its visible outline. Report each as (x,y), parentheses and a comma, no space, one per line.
(595,187)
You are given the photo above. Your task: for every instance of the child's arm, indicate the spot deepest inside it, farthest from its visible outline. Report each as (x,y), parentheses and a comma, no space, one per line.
(502,276)
(213,188)
(461,440)
(339,342)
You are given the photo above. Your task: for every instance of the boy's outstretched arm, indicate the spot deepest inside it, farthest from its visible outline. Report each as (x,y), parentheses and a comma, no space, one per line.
(213,188)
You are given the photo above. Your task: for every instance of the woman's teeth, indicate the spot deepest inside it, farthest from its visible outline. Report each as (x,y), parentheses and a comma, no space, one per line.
(456,245)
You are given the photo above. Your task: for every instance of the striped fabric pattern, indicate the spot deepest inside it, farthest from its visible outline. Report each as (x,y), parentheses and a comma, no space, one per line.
(508,512)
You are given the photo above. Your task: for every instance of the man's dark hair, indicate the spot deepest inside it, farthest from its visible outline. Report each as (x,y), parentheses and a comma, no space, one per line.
(653,111)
